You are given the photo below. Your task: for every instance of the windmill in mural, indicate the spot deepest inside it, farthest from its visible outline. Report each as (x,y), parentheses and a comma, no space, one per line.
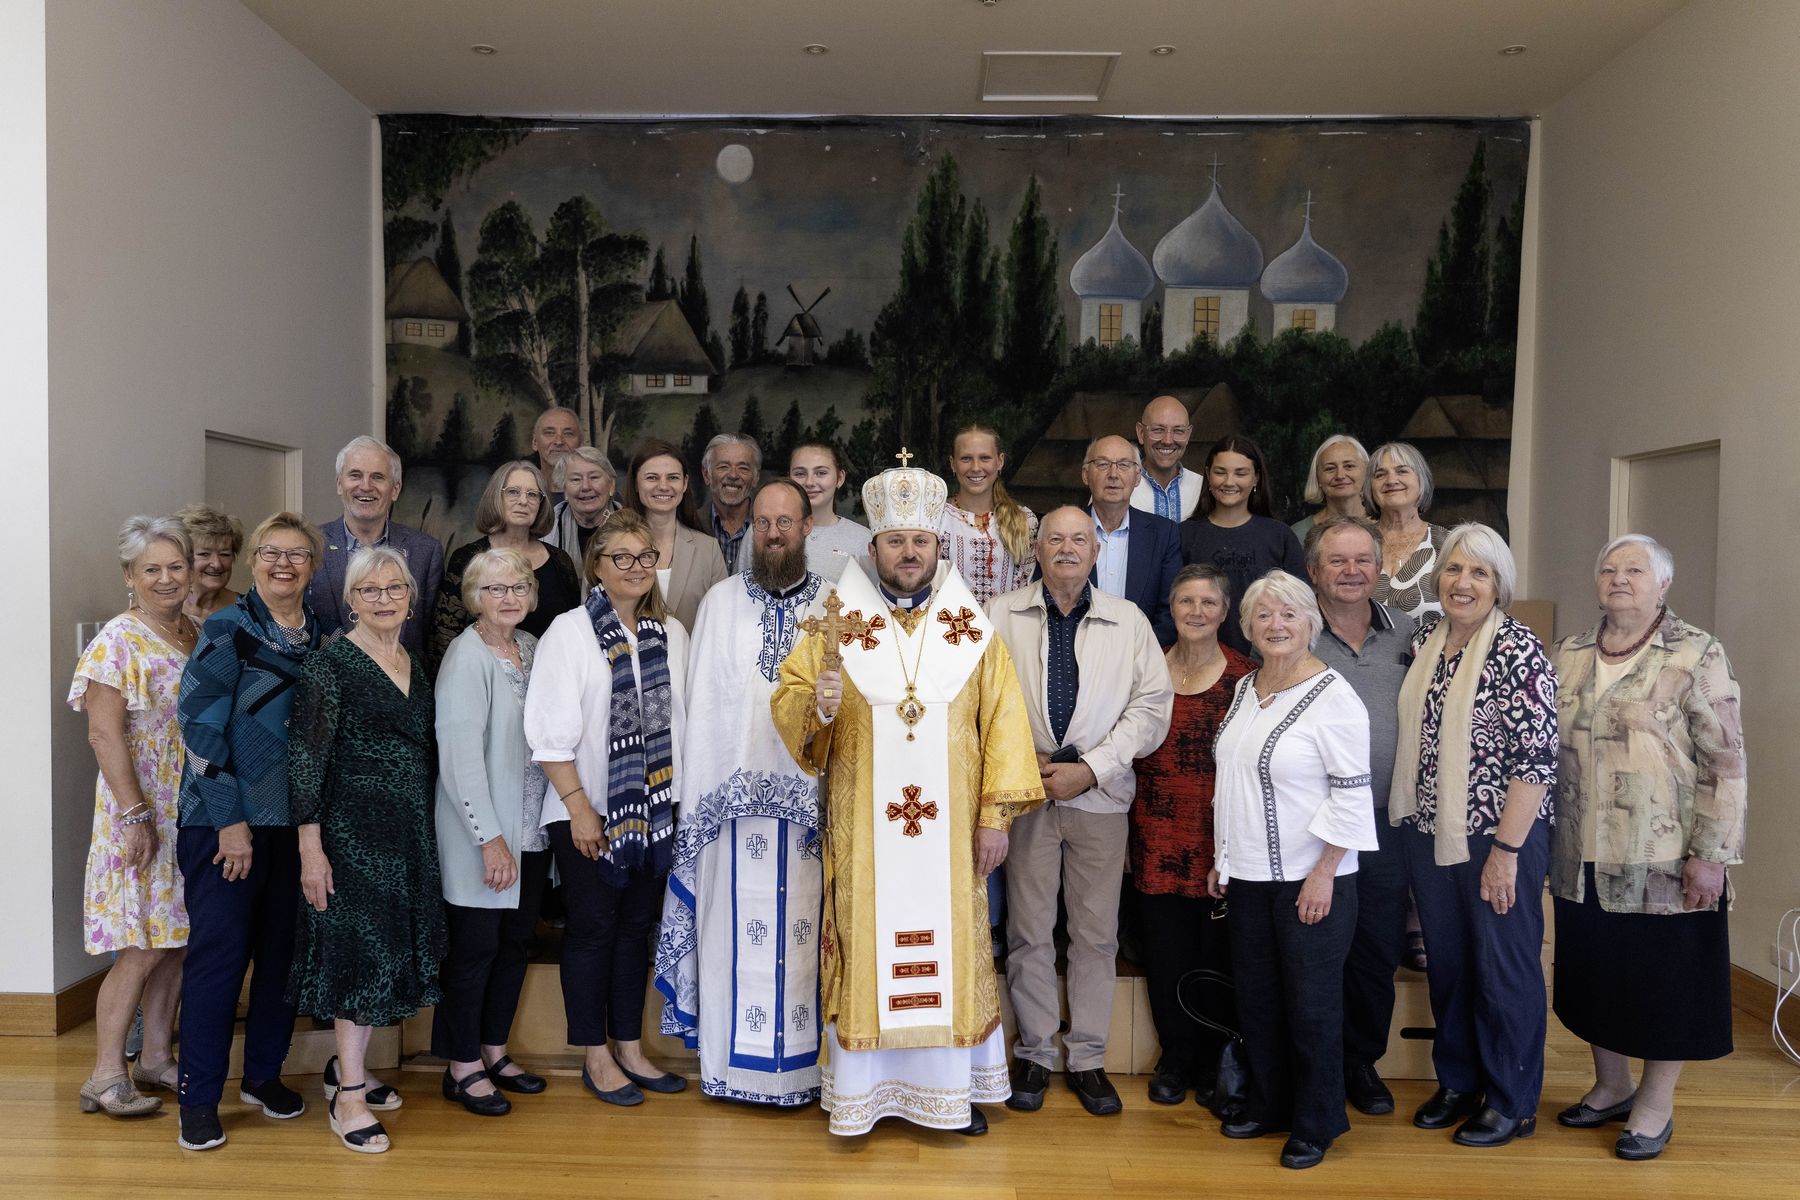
(805,340)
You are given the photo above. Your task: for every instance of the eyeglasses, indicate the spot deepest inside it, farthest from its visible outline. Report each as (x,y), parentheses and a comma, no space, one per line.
(519,493)
(275,554)
(1108,465)
(644,558)
(1162,431)
(393,591)
(761,524)
(498,591)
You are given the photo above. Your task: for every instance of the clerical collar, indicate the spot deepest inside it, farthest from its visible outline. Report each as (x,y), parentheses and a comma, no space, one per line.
(907,602)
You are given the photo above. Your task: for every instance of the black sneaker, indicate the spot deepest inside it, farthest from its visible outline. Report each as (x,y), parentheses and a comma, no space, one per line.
(277,1100)
(1095,1091)
(200,1128)
(1029,1083)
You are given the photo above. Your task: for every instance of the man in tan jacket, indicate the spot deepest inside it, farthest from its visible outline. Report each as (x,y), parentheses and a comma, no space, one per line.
(1099,697)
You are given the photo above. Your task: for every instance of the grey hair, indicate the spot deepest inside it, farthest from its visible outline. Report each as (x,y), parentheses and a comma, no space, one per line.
(1315,537)
(141,532)
(365,442)
(1409,454)
(1202,573)
(1283,588)
(1484,546)
(732,439)
(552,411)
(1314,494)
(592,455)
(1136,450)
(1661,561)
(367,561)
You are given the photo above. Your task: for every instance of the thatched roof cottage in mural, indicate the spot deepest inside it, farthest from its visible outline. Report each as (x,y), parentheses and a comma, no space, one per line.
(663,355)
(421,309)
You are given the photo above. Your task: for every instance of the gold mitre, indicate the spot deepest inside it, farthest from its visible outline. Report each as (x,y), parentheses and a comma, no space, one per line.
(904,497)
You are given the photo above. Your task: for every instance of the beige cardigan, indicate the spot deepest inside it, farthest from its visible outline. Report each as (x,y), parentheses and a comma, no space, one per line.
(697,566)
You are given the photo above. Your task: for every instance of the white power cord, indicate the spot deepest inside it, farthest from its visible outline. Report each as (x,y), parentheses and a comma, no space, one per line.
(1787,928)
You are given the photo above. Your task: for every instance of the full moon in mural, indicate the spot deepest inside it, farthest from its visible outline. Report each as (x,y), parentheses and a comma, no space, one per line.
(735,163)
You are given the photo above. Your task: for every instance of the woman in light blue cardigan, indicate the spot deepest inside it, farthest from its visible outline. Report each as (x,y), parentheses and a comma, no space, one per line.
(494,857)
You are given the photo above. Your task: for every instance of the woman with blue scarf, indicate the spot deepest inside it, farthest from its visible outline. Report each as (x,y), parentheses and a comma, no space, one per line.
(604,716)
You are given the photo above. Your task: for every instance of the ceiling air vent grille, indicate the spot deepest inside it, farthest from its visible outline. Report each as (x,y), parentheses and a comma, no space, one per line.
(1046,75)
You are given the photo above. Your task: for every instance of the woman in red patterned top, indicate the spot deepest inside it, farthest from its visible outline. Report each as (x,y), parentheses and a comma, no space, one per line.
(1171,844)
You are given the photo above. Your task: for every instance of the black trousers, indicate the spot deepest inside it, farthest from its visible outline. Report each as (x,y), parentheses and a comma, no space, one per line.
(606,945)
(1377,946)
(1179,935)
(231,925)
(484,969)
(1290,992)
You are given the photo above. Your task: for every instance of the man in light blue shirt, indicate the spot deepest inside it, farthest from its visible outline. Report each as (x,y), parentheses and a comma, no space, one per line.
(1139,552)
(1166,487)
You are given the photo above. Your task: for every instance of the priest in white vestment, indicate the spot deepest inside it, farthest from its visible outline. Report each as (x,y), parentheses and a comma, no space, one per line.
(924,740)
(737,961)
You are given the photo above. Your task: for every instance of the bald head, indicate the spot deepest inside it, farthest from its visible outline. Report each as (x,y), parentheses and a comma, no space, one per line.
(1066,546)
(1110,470)
(1163,431)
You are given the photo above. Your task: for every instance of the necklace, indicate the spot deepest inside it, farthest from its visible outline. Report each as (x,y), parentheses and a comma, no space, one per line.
(1627,652)
(1299,675)
(393,663)
(501,644)
(180,635)
(910,709)
(1182,674)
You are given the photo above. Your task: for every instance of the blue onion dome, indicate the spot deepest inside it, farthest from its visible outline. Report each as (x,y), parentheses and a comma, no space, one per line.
(1112,268)
(1209,249)
(1305,273)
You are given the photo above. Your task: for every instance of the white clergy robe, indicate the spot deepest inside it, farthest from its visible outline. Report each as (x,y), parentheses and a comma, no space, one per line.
(737,960)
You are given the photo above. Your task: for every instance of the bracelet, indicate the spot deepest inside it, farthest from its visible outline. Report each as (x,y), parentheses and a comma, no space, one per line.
(142,818)
(574,792)
(1500,845)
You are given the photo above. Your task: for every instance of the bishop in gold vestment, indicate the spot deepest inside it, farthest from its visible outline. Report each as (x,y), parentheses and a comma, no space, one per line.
(906,973)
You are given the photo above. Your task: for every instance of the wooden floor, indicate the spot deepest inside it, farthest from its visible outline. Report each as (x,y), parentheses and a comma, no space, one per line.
(1737,1136)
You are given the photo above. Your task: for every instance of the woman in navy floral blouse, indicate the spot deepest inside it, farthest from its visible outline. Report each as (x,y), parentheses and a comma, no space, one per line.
(1478,728)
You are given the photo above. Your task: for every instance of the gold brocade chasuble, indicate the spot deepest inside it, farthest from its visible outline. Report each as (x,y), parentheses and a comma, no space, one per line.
(887,977)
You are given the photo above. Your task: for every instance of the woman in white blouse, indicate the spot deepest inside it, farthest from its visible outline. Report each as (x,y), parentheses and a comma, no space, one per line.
(605,716)
(1291,807)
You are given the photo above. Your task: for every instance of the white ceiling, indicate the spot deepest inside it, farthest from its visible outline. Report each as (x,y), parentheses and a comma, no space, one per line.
(698,57)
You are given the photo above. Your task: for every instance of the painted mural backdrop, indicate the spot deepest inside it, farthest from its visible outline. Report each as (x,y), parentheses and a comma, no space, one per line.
(883,281)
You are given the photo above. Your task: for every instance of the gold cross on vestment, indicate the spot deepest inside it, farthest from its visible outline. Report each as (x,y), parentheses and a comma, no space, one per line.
(840,629)
(912,812)
(905,456)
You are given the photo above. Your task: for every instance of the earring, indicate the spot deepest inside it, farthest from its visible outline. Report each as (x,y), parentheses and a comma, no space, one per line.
(355,616)
(409,612)
(130,597)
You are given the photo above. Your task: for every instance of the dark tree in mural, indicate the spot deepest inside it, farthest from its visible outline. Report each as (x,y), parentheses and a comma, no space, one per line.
(403,237)
(740,329)
(402,431)
(751,424)
(507,290)
(759,330)
(1034,328)
(1503,296)
(706,428)
(662,284)
(691,296)
(456,440)
(503,443)
(848,351)
(449,265)
(1454,308)
(787,436)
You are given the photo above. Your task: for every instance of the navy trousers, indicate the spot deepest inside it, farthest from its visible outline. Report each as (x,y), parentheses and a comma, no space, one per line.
(230,926)
(606,945)
(484,970)
(1486,971)
(1376,948)
(1290,997)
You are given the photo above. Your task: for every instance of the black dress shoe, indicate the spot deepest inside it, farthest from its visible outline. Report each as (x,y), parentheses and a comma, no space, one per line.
(1366,1093)
(1029,1083)
(1446,1107)
(457,1092)
(665,1083)
(1580,1116)
(1300,1154)
(1168,1086)
(1637,1147)
(524,1083)
(1096,1092)
(1244,1127)
(1488,1128)
(977,1123)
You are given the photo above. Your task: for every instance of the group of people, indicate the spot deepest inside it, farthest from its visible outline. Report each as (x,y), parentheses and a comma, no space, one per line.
(1256,746)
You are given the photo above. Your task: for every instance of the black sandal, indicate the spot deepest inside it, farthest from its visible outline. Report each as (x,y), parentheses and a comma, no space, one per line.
(524,1083)
(380,1099)
(359,1140)
(457,1092)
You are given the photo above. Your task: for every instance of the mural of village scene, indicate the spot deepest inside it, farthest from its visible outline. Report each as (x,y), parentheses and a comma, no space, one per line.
(882,282)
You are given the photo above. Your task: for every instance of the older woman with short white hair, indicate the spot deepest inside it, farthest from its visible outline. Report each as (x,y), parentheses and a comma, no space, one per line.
(1399,489)
(1334,482)
(1291,809)
(128,682)
(589,486)
(1473,772)
(494,856)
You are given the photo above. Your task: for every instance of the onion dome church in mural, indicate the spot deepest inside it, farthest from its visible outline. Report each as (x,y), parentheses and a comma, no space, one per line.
(1208,264)
(1305,283)
(1112,280)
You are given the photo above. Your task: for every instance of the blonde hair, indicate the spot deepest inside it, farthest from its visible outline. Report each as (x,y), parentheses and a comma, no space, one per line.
(294,522)
(1313,493)
(208,524)
(488,517)
(370,559)
(619,523)
(1011,519)
(492,562)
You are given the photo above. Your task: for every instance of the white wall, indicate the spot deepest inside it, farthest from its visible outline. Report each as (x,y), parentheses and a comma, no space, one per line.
(210,208)
(1668,259)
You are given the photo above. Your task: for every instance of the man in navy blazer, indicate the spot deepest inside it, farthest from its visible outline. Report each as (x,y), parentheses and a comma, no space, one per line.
(1140,552)
(368,482)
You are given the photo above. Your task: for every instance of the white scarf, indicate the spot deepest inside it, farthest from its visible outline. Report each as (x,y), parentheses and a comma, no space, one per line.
(1455,734)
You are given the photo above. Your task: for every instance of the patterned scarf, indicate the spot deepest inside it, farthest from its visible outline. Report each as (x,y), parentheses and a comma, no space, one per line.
(639,816)
(1456,727)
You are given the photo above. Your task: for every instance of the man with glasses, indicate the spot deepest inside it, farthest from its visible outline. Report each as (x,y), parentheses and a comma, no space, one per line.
(738,957)
(1167,488)
(1139,552)
(368,483)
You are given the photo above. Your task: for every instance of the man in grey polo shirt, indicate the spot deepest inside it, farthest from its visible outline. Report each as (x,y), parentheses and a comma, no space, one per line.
(1370,645)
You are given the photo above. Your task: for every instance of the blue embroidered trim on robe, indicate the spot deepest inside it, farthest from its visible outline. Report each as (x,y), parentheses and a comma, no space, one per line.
(779,619)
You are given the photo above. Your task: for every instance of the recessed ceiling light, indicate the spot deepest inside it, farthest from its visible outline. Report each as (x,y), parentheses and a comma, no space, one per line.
(1512,51)
(484,48)
(816,48)
(1162,51)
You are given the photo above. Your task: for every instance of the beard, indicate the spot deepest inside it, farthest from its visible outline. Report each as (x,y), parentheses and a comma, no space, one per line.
(778,570)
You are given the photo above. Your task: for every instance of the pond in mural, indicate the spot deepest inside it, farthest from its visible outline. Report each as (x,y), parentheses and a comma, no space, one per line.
(884,281)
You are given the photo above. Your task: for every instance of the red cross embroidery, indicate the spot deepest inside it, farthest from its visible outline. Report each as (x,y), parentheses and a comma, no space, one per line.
(912,812)
(960,626)
(868,639)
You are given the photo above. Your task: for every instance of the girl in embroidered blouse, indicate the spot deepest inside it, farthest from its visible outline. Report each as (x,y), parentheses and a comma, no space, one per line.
(984,531)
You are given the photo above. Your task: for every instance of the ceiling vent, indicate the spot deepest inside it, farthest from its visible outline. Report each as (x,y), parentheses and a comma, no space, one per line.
(1046,75)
